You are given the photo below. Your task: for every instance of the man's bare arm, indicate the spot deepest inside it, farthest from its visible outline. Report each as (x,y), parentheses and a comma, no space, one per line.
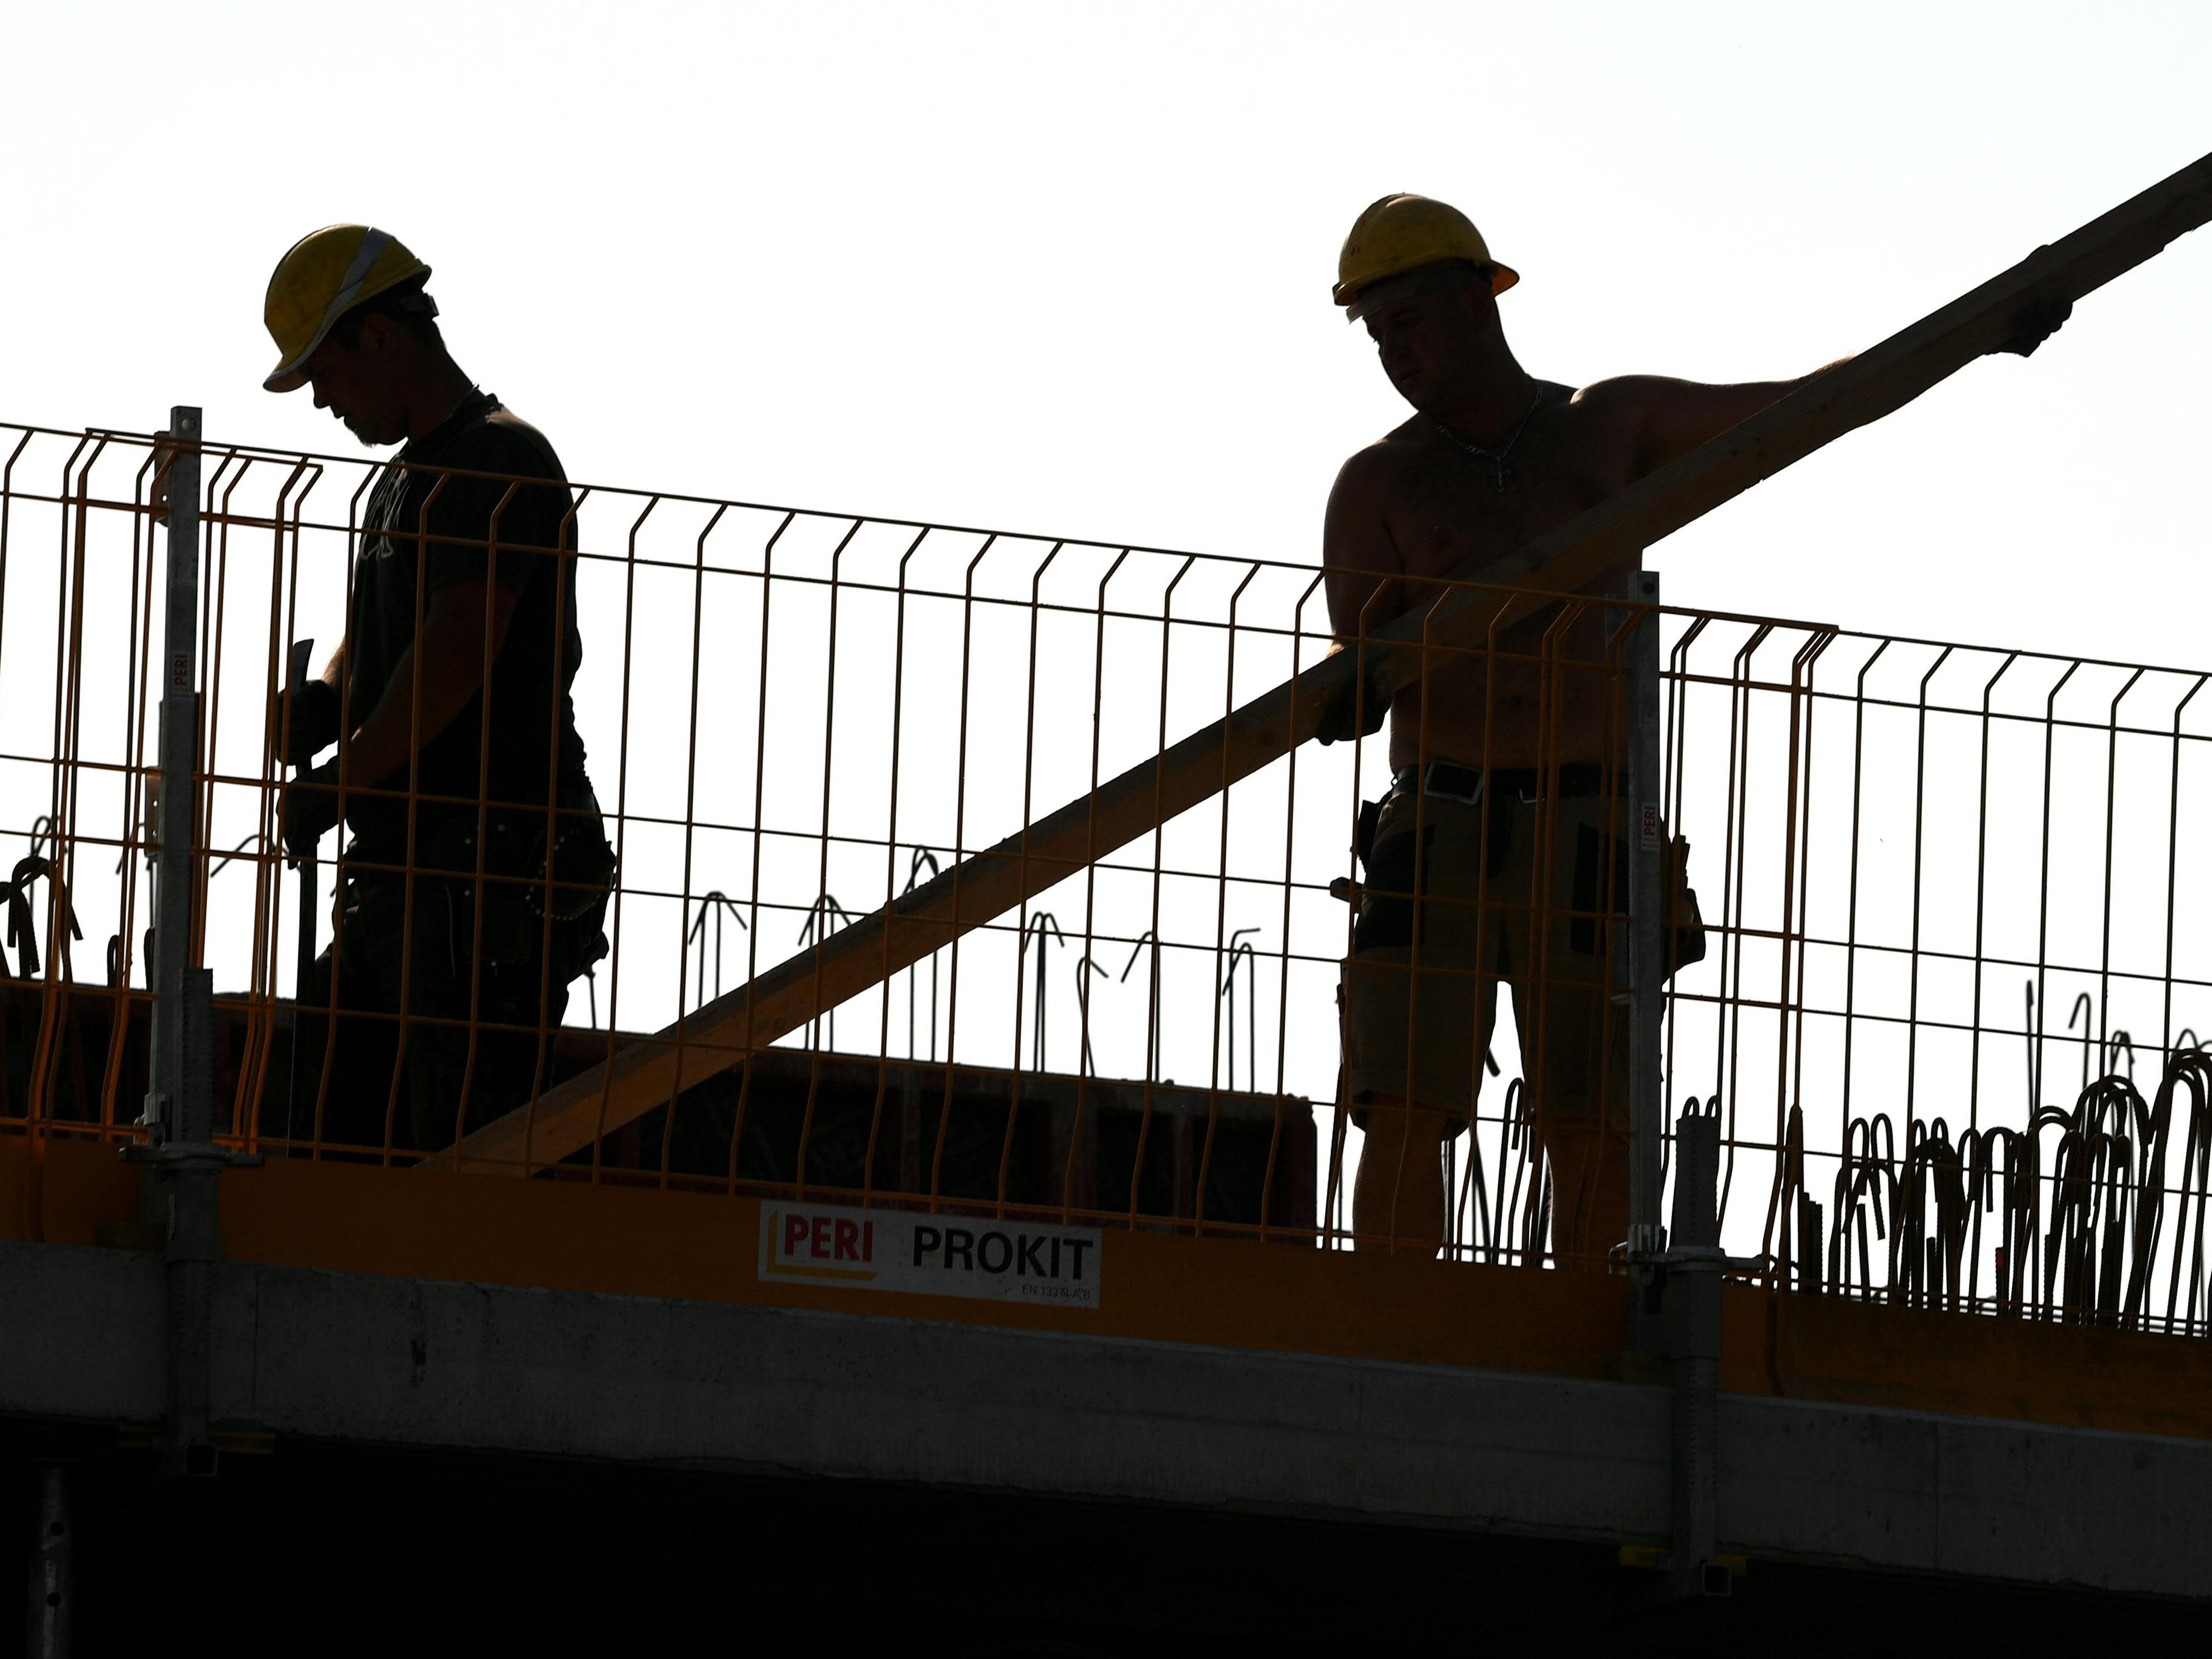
(1356,541)
(1363,561)
(1661,419)
(452,649)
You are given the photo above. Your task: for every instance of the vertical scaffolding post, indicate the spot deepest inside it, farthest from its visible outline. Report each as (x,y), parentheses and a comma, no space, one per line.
(1674,1283)
(167,1112)
(49,1604)
(1646,954)
(183,1162)
(299,1100)
(1694,1266)
(1647,932)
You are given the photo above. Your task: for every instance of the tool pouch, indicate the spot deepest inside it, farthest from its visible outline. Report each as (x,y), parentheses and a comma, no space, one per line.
(531,877)
(581,871)
(1370,820)
(1686,924)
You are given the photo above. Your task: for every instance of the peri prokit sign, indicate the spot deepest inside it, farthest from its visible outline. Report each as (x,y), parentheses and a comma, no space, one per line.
(931,1254)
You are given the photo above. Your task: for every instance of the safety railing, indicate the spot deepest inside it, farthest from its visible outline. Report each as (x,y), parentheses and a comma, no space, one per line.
(1941,985)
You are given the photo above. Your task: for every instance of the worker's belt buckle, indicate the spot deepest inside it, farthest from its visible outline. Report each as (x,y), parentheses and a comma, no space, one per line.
(1449,782)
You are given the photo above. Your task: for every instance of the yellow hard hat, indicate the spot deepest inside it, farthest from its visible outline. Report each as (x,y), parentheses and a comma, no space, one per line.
(1402,233)
(324,276)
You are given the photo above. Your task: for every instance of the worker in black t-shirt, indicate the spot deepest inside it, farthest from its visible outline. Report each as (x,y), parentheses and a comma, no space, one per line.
(474,886)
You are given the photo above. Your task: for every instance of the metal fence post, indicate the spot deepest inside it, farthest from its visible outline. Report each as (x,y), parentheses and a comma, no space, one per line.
(50,1602)
(179,752)
(1694,1295)
(1647,974)
(1675,1284)
(183,1163)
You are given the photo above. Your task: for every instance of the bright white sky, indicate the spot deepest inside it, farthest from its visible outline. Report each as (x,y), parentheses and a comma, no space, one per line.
(1065,267)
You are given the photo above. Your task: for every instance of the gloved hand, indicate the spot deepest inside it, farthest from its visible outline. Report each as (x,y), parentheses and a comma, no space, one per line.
(315,718)
(309,809)
(1357,710)
(2031,325)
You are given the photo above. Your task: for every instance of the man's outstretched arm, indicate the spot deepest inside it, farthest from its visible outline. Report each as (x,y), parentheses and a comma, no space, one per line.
(1660,419)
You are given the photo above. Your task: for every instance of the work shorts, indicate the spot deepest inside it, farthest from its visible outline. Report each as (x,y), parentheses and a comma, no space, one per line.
(1445,916)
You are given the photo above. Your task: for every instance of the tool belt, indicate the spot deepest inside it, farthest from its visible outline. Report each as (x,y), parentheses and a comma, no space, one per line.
(1509,789)
(532,874)
(1447,781)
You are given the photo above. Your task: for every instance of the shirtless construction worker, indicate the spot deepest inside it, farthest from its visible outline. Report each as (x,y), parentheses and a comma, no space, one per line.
(1492,458)
(1504,813)
(450,688)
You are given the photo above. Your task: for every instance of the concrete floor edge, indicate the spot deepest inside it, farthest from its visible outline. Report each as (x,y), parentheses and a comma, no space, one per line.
(436,1365)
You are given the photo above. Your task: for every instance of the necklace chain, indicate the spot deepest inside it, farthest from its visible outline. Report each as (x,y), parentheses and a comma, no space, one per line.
(1502,474)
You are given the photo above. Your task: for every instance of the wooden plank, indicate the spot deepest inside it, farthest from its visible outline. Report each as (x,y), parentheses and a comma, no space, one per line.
(989,884)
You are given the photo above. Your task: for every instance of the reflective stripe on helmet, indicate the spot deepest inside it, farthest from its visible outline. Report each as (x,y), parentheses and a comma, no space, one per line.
(357,273)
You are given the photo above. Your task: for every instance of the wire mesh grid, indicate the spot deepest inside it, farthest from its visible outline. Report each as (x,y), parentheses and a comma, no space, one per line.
(1947,1007)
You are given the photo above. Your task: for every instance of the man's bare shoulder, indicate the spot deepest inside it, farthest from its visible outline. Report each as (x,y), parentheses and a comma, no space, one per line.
(1652,419)
(1356,532)
(1623,401)
(1381,463)
(1610,419)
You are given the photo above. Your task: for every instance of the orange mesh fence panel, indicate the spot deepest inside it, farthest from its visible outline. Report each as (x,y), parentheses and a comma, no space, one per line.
(1939,979)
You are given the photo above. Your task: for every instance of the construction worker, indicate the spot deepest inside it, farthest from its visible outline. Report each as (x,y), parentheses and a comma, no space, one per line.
(1492,457)
(475,880)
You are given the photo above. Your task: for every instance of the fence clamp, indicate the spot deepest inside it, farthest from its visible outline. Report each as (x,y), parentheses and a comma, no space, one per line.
(1700,1259)
(182,1156)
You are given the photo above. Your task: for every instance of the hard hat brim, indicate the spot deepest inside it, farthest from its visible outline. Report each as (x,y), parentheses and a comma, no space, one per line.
(291,374)
(1502,276)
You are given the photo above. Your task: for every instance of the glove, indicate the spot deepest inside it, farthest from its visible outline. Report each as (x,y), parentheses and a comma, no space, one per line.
(315,719)
(2031,325)
(309,809)
(1357,710)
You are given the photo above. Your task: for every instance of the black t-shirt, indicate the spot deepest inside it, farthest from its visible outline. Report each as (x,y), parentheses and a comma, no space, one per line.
(438,527)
